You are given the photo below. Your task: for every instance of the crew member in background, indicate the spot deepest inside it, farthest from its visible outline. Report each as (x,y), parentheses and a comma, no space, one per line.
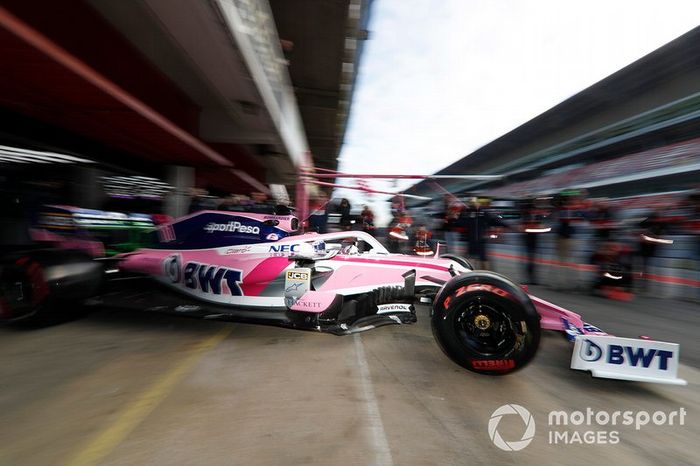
(344,211)
(422,246)
(318,218)
(477,223)
(231,203)
(452,229)
(693,227)
(613,271)
(201,200)
(396,205)
(653,228)
(533,214)
(602,218)
(367,220)
(260,203)
(440,223)
(399,232)
(569,213)
(611,258)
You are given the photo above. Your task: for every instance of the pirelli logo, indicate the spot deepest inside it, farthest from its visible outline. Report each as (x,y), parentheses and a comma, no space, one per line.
(295,275)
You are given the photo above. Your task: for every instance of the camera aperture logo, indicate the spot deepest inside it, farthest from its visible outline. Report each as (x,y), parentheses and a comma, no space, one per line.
(527,419)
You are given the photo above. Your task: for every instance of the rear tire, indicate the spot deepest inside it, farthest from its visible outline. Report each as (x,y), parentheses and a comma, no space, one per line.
(486,323)
(46,287)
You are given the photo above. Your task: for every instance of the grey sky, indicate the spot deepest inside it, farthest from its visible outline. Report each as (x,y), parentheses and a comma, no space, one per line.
(441,78)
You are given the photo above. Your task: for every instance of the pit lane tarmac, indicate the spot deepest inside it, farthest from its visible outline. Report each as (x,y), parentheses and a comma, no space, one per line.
(121,388)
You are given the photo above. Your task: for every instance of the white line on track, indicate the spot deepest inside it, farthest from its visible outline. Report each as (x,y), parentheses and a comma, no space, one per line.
(377,434)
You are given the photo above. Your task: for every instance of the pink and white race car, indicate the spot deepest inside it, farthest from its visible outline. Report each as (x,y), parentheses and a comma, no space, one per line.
(254,268)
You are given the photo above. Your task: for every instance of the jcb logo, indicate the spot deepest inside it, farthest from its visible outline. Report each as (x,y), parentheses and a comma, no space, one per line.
(297,276)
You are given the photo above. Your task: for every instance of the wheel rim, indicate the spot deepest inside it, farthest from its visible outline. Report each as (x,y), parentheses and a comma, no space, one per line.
(485,328)
(15,295)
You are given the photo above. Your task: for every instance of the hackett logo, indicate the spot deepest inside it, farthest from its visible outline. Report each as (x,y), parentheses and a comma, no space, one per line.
(231,227)
(309,304)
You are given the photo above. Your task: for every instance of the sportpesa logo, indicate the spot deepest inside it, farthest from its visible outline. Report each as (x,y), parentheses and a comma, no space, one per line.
(232,227)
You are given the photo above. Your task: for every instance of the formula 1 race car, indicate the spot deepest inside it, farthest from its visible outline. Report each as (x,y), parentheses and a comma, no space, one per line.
(255,268)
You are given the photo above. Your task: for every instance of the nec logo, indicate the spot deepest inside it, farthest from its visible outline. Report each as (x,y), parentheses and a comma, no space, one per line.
(284,248)
(628,355)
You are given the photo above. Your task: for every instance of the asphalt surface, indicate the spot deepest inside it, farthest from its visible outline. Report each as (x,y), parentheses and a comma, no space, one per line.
(661,319)
(121,388)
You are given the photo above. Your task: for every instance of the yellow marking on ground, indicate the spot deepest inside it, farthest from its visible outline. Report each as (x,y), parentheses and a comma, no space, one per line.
(133,414)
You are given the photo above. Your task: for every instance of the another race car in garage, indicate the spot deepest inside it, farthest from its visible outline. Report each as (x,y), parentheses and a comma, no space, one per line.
(256,268)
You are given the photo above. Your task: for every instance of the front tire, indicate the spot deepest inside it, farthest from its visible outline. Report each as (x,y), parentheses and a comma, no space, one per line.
(463,261)
(486,323)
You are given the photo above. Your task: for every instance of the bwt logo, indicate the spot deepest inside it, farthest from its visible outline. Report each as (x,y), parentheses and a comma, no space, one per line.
(232,227)
(630,355)
(590,351)
(204,277)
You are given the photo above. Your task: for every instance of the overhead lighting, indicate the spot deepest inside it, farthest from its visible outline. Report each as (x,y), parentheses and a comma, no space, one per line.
(9,159)
(18,155)
(135,186)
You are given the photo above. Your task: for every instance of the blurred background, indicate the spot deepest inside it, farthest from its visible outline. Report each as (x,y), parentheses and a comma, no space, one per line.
(146,108)
(583,121)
